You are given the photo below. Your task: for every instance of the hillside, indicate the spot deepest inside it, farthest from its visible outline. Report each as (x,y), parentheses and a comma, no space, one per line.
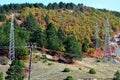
(80,19)
(81,25)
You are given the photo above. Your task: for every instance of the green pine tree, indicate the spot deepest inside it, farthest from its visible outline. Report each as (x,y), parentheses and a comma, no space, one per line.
(85,46)
(2,17)
(21,39)
(73,48)
(52,38)
(31,23)
(61,35)
(47,19)
(39,37)
(15,72)
(62,38)
(1,75)
(117,76)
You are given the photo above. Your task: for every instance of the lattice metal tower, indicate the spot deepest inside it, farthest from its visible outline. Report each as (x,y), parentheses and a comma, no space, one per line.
(12,41)
(117,50)
(96,34)
(107,50)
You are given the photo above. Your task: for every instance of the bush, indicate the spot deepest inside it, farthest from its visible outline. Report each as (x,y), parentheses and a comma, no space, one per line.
(44,58)
(50,63)
(92,71)
(117,76)
(39,58)
(1,75)
(66,70)
(44,61)
(35,51)
(98,60)
(69,78)
(80,68)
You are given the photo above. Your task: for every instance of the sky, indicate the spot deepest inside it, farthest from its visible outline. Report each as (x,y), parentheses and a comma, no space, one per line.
(113,5)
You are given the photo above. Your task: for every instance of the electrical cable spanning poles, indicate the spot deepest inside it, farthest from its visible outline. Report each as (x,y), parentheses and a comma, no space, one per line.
(107,49)
(12,40)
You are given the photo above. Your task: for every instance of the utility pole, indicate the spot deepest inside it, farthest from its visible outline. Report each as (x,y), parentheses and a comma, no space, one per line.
(30,61)
(12,41)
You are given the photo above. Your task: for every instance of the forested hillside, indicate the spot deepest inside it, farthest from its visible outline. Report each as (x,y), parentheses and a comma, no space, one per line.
(75,20)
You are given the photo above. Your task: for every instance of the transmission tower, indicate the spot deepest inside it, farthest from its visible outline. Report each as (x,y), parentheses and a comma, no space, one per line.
(107,50)
(96,34)
(117,51)
(12,41)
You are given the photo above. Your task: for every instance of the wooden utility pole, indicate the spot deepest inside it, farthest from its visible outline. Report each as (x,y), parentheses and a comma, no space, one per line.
(30,61)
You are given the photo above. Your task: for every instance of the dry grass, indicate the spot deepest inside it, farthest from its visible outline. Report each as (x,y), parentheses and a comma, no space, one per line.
(43,71)
(4,68)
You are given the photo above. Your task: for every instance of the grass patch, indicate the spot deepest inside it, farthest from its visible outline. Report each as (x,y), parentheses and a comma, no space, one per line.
(69,78)
(44,61)
(92,71)
(1,75)
(50,64)
(80,68)
(66,70)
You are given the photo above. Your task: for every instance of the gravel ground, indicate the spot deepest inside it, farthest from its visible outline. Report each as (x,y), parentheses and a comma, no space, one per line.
(4,68)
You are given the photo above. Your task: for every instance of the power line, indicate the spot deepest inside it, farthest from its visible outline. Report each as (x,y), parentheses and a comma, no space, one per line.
(6,47)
